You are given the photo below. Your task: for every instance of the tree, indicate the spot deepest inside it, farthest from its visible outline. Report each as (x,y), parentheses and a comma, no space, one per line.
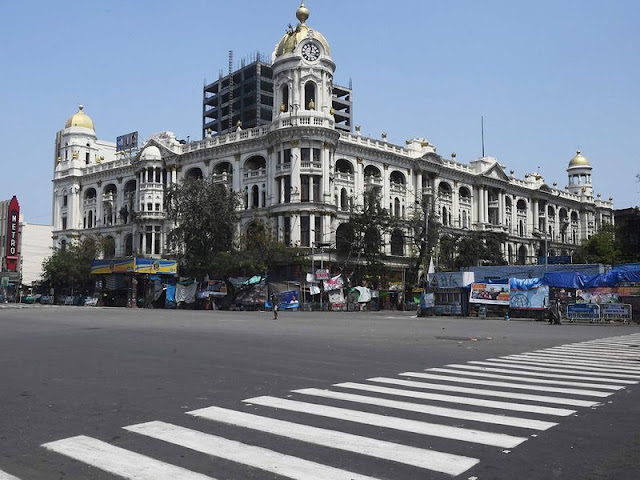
(603,247)
(68,270)
(258,252)
(362,237)
(205,219)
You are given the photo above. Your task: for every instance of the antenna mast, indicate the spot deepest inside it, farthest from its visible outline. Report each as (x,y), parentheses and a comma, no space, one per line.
(482,131)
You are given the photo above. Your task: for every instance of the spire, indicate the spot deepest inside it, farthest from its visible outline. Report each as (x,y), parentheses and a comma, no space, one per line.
(302,14)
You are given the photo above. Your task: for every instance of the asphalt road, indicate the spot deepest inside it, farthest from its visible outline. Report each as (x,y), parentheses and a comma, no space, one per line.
(72,379)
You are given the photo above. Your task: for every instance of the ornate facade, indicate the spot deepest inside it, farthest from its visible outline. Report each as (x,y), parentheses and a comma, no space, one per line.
(300,175)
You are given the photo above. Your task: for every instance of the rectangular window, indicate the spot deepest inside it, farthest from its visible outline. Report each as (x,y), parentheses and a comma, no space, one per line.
(305,154)
(64,223)
(287,231)
(305,234)
(86,158)
(157,207)
(316,154)
(304,187)
(64,200)
(149,207)
(318,229)
(287,156)
(316,189)
(287,189)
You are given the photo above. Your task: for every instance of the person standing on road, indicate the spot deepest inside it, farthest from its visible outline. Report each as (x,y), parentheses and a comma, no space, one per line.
(274,304)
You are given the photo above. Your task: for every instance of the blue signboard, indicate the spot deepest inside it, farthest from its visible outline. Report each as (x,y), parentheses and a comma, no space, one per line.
(554,260)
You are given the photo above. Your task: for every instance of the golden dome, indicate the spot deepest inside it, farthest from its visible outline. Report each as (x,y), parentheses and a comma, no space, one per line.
(295,35)
(579,161)
(80,119)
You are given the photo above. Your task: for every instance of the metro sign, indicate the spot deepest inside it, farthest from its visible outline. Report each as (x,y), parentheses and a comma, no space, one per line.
(13,233)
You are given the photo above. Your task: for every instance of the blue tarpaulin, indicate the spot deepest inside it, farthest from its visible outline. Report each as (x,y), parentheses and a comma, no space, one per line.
(524,283)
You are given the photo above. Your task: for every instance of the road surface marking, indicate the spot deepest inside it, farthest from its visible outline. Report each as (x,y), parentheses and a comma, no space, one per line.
(431,410)
(599,358)
(490,393)
(119,461)
(517,386)
(562,367)
(530,380)
(418,457)
(537,373)
(257,457)
(570,362)
(6,476)
(414,426)
(516,407)
(599,352)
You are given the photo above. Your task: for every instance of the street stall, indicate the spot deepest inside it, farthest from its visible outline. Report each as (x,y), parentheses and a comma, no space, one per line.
(132,282)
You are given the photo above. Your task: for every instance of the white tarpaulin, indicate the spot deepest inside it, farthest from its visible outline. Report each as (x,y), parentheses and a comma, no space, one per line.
(364,294)
(336,296)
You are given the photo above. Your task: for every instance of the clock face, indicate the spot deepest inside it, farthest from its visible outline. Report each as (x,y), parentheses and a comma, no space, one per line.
(310,51)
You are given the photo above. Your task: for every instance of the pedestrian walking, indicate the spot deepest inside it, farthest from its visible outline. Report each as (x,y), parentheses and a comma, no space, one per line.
(555,314)
(274,304)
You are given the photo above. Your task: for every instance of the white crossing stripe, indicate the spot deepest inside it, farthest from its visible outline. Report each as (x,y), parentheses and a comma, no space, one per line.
(600,357)
(119,461)
(516,407)
(596,352)
(258,457)
(417,457)
(539,372)
(555,365)
(517,386)
(431,410)
(414,426)
(6,476)
(530,380)
(489,393)
(569,361)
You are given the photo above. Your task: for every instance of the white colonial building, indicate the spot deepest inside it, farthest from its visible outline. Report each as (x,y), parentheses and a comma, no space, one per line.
(301,175)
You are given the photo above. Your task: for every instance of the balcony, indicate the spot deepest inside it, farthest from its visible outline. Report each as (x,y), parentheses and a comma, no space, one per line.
(255,174)
(372,180)
(311,167)
(397,188)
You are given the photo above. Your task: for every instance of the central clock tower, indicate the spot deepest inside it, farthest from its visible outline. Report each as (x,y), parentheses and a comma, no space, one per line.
(302,71)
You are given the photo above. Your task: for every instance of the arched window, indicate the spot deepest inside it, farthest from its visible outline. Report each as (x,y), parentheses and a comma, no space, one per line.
(344,166)
(194,173)
(522,255)
(109,247)
(397,243)
(310,95)
(344,238)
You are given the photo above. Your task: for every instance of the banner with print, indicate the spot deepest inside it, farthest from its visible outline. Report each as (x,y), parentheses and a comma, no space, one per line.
(489,293)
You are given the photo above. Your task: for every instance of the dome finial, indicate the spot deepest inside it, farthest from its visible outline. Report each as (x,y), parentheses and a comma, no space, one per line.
(302,13)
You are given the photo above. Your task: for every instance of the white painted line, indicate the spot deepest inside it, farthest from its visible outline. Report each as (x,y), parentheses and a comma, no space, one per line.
(518,372)
(418,457)
(6,476)
(542,366)
(566,363)
(530,380)
(627,360)
(431,410)
(627,354)
(517,386)
(489,393)
(479,402)
(258,457)
(119,461)
(422,428)
(570,360)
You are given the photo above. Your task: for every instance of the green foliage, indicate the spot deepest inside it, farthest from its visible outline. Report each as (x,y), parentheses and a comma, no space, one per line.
(258,253)
(475,248)
(206,220)
(603,247)
(362,237)
(68,270)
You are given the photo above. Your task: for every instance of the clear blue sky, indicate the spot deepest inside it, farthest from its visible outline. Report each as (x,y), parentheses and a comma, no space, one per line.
(548,77)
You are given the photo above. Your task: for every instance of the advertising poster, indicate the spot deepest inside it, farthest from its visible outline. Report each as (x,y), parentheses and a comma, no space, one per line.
(334,283)
(489,293)
(597,295)
(533,299)
(563,295)
(288,299)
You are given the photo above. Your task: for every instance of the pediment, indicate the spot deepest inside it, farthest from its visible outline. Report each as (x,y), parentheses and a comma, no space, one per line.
(496,171)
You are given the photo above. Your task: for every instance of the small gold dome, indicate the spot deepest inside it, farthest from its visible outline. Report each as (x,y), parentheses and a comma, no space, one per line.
(295,35)
(579,161)
(80,119)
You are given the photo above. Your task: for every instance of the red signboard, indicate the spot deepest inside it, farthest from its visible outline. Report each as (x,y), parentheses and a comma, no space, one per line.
(13,233)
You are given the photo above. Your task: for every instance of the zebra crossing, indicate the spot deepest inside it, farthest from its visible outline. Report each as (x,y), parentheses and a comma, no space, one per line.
(497,403)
